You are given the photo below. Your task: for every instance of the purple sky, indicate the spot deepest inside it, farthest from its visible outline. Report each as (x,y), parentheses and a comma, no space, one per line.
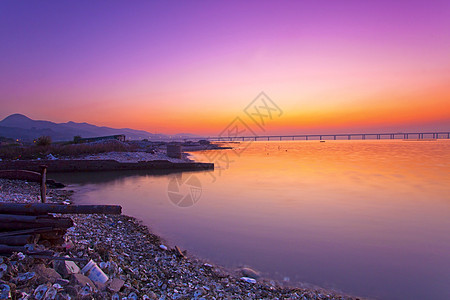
(177,66)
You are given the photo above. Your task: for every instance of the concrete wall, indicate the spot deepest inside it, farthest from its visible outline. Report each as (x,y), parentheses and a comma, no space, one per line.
(99,165)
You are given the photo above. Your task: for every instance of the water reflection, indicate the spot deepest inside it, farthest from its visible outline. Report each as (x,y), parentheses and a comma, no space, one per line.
(370,218)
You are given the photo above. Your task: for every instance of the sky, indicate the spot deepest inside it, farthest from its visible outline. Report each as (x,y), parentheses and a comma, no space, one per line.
(194,66)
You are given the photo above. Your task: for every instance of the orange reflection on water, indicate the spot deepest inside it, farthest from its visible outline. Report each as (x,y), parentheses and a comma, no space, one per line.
(370,218)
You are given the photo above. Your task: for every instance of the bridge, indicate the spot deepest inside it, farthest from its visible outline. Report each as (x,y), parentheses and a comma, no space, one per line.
(347,136)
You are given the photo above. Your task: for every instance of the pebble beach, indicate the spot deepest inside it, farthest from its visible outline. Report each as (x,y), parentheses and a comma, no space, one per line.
(137,263)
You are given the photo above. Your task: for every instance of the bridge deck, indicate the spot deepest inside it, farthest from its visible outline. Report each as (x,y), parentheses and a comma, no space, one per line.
(350,136)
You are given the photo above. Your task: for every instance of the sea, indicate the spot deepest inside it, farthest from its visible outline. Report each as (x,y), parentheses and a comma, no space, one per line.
(369,218)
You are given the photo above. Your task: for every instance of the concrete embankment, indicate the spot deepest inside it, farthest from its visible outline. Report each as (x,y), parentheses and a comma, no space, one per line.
(74,165)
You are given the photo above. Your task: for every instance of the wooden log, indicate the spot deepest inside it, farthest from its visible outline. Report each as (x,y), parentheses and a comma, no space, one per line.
(39,223)
(53,235)
(43,185)
(26,231)
(21,175)
(82,260)
(44,208)
(17,240)
(5,249)
(17,218)
(29,219)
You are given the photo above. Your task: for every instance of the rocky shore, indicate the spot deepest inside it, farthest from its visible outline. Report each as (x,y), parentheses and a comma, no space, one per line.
(137,263)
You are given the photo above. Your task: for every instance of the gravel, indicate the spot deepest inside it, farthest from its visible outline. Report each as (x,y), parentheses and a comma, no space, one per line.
(135,156)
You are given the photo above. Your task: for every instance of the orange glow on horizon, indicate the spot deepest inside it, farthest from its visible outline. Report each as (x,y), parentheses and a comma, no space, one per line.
(385,109)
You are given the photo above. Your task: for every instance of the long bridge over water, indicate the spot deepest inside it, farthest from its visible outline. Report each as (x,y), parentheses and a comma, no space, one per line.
(340,136)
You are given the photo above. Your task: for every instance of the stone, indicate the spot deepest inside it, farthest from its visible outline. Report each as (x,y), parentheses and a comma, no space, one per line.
(5,291)
(3,270)
(248,279)
(80,279)
(62,282)
(248,272)
(132,296)
(71,291)
(24,277)
(50,294)
(115,284)
(65,268)
(45,274)
(40,291)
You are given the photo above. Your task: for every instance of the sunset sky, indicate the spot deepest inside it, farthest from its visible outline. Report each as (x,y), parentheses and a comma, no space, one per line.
(193,66)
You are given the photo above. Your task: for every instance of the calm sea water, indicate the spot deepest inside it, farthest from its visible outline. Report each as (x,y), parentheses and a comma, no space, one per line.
(369,218)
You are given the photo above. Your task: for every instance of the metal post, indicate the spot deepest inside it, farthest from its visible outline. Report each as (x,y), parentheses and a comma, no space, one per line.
(43,183)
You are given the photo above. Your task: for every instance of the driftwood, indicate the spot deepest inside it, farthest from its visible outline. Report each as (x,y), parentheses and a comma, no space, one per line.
(82,260)
(43,183)
(62,223)
(6,249)
(21,175)
(53,235)
(28,223)
(27,219)
(29,176)
(26,231)
(44,208)
(18,240)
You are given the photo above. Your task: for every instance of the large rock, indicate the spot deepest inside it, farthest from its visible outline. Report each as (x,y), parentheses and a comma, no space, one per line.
(115,284)
(80,279)
(45,274)
(248,272)
(66,268)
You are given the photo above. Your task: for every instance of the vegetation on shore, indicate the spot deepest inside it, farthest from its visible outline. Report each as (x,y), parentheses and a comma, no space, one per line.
(43,147)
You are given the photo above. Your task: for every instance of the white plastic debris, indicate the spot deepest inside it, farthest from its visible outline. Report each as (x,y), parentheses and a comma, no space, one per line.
(163,247)
(248,279)
(51,157)
(72,267)
(94,273)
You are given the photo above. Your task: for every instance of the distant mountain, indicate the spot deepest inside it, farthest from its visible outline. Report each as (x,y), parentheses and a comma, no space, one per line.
(18,126)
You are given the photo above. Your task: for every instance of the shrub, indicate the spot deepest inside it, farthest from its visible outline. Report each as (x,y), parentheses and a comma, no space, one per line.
(68,150)
(44,140)
(76,139)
